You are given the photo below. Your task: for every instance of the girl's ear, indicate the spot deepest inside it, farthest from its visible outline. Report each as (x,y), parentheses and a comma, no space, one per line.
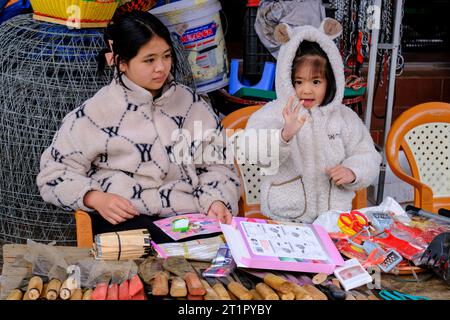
(331,27)
(109,56)
(123,67)
(281,33)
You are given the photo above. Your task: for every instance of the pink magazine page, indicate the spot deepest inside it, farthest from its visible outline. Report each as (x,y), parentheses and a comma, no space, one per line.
(198,224)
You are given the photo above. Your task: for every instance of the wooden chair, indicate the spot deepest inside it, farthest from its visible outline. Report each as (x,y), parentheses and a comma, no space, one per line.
(249,205)
(83,225)
(423,133)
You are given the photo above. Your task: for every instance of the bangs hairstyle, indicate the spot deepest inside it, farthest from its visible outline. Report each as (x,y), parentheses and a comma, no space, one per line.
(311,55)
(129,33)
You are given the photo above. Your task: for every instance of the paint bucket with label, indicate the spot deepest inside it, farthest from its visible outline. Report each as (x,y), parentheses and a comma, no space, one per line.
(197,24)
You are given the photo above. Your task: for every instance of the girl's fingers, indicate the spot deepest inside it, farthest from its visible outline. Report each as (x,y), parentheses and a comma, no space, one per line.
(220,216)
(335,176)
(228,217)
(128,207)
(118,218)
(339,176)
(343,177)
(290,102)
(302,119)
(120,215)
(131,207)
(334,170)
(116,214)
(296,109)
(285,112)
(288,107)
(110,219)
(219,212)
(342,181)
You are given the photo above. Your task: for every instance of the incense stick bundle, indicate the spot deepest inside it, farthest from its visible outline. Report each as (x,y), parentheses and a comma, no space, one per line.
(201,249)
(122,245)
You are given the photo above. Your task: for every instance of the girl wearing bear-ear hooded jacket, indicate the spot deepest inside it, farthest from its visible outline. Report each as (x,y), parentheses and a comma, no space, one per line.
(325,151)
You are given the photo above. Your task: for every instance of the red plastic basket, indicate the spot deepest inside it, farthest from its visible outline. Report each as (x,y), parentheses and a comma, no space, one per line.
(252,3)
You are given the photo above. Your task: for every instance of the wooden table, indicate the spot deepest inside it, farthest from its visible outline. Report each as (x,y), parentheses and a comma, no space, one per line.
(15,269)
(433,288)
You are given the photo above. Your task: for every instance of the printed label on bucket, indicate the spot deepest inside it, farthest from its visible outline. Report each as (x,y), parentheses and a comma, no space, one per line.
(207,54)
(196,34)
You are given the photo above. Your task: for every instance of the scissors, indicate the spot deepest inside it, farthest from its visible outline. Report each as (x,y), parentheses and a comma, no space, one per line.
(352,222)
(396,295)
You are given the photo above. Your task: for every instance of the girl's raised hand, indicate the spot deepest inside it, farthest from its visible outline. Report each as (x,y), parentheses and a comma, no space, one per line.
(292,121)
(112,207)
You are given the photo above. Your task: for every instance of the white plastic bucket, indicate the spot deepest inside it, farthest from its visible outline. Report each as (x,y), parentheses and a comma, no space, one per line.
(197,23)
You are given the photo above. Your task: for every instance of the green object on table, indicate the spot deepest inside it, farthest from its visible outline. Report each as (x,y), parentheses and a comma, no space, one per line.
(180,225)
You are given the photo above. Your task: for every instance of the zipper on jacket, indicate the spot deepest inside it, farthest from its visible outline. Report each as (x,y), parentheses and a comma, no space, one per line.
(329,195)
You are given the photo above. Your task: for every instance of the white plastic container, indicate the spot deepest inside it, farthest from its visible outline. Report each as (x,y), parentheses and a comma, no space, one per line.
(197,23)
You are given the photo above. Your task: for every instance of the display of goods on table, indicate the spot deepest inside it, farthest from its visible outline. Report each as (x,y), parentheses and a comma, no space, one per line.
(75,13)
(41,271)
(383,239)
(37,272)
(171,278)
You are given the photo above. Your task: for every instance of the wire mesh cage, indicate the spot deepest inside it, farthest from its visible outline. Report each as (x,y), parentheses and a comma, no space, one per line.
(46,70)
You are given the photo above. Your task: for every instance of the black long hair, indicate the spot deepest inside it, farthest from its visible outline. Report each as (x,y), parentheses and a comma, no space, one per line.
(129,32)
(311,53)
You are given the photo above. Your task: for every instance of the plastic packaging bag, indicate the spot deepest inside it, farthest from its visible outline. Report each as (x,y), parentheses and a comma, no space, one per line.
(201,249)
(222,265)
(46,260)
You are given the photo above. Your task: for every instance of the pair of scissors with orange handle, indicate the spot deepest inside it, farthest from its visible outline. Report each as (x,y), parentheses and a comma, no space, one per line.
(352,222)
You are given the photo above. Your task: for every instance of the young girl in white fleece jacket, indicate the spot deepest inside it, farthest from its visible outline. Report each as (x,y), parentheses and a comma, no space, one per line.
(119,154)
(326,152)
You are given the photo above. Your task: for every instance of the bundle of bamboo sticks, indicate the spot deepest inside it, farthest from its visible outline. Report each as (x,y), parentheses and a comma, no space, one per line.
(122,245)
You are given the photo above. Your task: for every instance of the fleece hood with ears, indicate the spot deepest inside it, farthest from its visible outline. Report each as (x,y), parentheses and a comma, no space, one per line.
(293,37)
(332,135)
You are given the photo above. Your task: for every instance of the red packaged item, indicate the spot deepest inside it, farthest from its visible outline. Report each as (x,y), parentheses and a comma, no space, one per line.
(124,291)
(100,291)
(406,249)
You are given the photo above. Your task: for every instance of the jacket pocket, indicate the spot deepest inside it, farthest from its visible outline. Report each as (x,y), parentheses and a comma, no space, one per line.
(287,199)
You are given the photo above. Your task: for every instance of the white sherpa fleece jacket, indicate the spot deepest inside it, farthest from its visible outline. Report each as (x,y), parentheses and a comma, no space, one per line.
(333,134)
(120,141)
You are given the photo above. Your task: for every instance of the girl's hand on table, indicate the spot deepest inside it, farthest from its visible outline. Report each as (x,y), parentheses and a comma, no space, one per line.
(112,207)
(219,211)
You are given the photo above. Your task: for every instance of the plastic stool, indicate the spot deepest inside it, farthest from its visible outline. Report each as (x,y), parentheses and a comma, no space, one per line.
(266,82)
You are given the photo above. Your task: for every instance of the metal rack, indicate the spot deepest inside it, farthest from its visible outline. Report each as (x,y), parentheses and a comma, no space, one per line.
(394,46)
